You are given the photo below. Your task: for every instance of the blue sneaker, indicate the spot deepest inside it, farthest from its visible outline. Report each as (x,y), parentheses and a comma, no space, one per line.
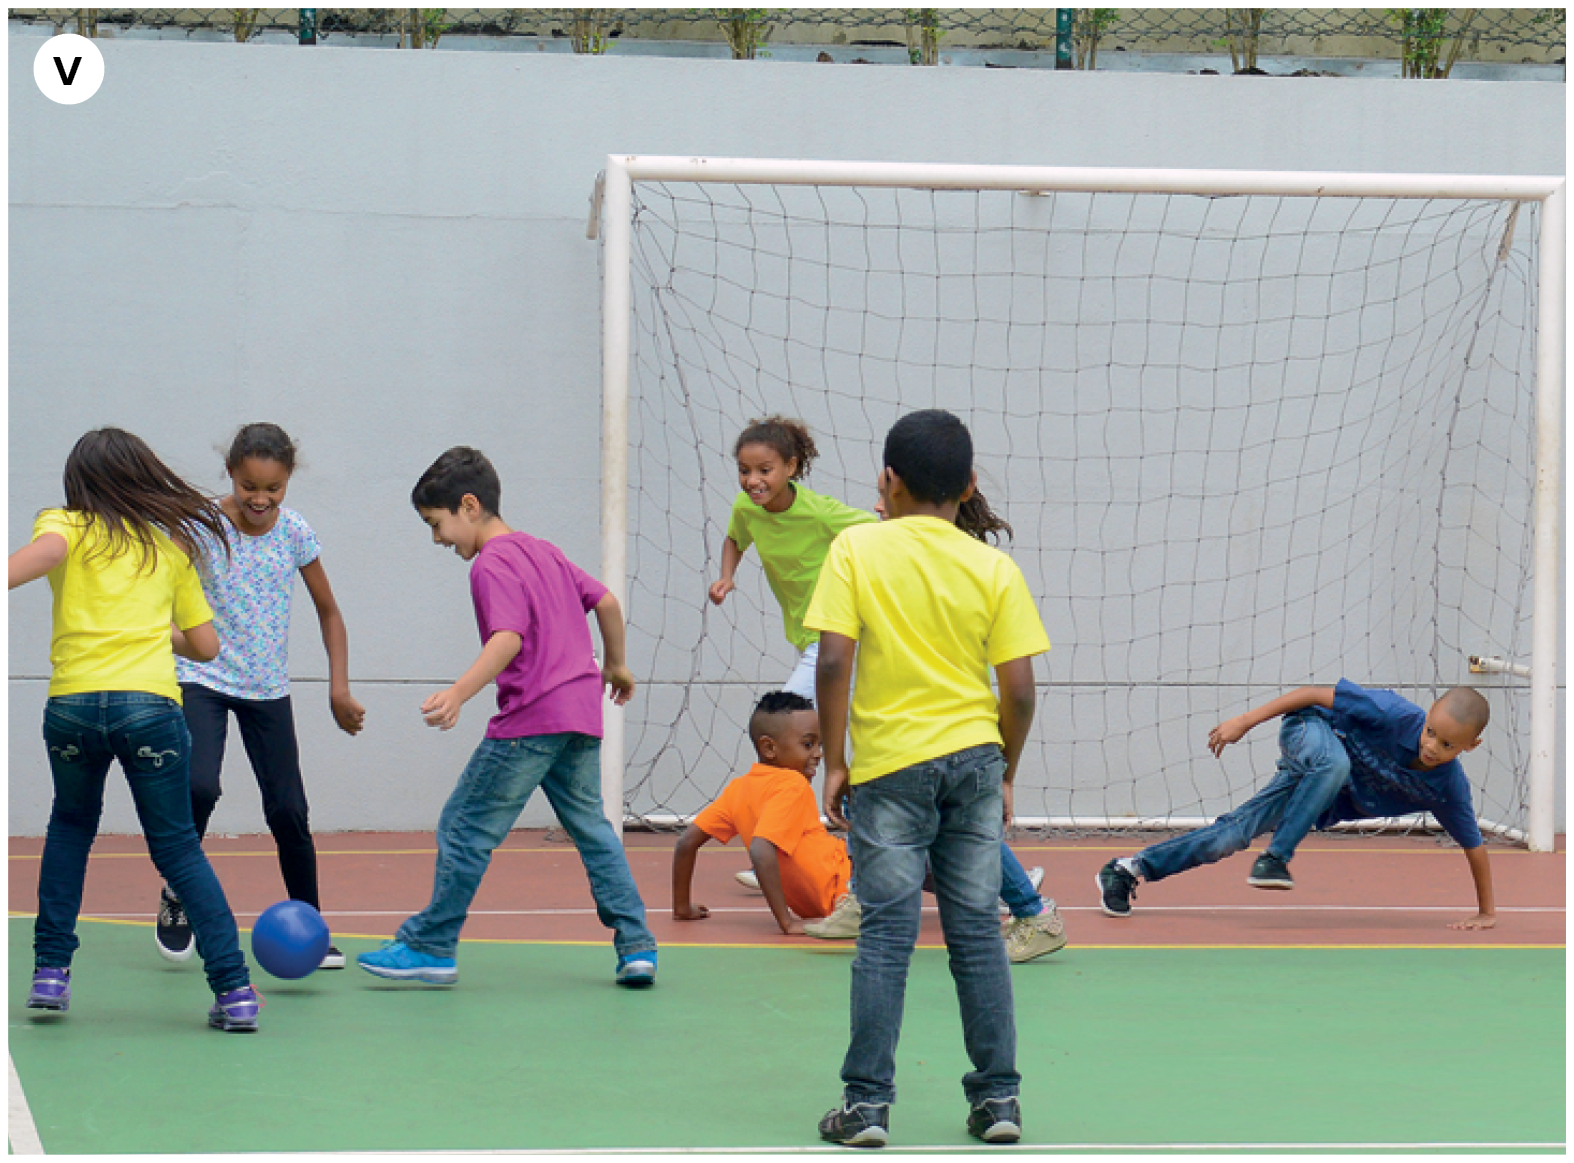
(235,1012)
(637,970)
(398,961)
(51,990)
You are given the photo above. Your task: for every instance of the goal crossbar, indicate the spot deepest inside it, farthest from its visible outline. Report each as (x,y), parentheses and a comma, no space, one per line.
(611,219)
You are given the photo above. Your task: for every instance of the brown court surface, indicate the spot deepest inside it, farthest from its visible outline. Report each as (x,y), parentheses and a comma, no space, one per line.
(1362,891)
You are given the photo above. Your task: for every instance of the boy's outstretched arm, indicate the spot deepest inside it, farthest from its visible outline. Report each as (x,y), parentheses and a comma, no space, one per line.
(689,845)
(614,671)
(731,555)
(1018,701)
(1234,730)
(442,709)
(833,675)
(1486,905)
(35,559)
(767,867)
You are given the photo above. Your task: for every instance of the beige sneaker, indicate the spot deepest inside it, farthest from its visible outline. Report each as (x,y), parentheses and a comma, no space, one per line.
(841,924)
(747,879)
(1030,937)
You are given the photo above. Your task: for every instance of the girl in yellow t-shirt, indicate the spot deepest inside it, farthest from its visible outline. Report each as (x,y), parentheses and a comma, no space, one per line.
(126,600)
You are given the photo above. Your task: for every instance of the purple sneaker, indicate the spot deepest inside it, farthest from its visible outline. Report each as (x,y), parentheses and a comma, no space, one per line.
(51,990)
(236,1012)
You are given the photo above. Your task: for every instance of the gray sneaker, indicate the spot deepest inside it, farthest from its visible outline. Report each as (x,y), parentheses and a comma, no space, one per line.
(747,879)
(862,1124)
(996,1120)
(841,924)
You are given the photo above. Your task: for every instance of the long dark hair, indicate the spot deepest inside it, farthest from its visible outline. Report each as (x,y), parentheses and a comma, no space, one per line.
(115,477)
(976,518)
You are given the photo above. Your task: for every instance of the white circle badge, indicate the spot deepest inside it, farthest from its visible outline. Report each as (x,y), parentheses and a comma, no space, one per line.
(69,69)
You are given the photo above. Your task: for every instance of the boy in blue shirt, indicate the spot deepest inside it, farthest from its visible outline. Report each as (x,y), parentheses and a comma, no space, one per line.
(1345,753)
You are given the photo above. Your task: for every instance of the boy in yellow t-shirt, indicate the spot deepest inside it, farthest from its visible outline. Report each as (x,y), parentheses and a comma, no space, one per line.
(802,868)
(929,611)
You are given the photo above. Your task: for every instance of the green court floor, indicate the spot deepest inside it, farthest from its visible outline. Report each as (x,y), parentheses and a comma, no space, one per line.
(739,1048)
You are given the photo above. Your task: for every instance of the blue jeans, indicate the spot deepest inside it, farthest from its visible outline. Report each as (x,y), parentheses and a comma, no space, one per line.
(1015,888)
(946,814)
(1313,767)
(147,734)
(495,786)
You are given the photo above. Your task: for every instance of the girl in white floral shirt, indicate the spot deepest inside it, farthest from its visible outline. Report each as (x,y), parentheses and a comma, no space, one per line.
(250,591)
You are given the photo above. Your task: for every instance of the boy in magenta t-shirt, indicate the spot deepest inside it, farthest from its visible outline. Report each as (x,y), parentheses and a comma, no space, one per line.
(530,606)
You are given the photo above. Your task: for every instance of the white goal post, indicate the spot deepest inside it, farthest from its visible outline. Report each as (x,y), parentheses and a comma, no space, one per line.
(612,218)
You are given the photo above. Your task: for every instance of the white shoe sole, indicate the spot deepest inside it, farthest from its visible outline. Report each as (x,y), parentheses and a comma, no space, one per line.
(175,955)
(1002,1132)
(1281,885)
(430,976)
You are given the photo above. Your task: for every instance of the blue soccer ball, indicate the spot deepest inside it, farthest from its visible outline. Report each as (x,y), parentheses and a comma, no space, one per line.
(290,939)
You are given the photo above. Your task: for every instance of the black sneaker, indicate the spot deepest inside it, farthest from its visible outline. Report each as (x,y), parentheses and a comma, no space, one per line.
(863,1124)
(1270,872)
(1117,887)
(172,932)
(333,959)
(996,1120)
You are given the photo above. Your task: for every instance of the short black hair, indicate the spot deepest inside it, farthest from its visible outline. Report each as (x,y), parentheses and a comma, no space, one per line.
(458,471)
(932,452)
(771,708)
(1466,706)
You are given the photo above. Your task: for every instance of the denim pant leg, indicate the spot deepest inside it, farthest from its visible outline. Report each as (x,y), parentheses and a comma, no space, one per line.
(573,787)
(492,791)
(894,820)
(1315,756)
(1234,831)
(79,759)
(148,735)
(1015,888)
(965,857)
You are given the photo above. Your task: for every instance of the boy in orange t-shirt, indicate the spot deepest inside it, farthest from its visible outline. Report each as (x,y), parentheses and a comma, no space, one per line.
(802,868)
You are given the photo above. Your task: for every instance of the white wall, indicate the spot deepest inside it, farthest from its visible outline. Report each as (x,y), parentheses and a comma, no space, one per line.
(385,253)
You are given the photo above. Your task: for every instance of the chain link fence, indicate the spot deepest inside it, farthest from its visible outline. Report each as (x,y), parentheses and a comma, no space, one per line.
(1425,40)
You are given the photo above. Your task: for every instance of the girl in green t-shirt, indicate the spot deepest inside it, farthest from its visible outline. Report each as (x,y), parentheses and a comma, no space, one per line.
(792,526)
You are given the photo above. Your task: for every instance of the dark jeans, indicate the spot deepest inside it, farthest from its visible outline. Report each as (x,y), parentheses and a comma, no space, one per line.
(267,729)
(946,813)
(148,735)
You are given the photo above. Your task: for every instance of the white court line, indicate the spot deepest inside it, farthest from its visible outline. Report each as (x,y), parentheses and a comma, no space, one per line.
(21,1129)
(759,910)
(994,1148)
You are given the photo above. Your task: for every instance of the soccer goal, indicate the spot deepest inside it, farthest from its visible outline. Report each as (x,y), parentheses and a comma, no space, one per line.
(1251,430)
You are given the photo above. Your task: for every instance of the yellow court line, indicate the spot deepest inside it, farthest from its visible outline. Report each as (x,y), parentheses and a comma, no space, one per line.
(849,948)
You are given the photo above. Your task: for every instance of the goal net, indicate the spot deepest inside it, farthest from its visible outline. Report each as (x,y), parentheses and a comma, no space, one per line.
(1246,442)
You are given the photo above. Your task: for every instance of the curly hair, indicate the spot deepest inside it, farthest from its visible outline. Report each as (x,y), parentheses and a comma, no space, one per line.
(787,437)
